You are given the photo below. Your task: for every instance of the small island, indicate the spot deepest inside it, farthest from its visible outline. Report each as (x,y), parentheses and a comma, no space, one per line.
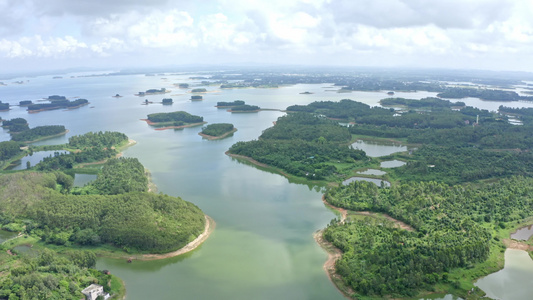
(230,104)
(197,98)
(4,106)
(153,92)
(217,131)
(25,102)
(167,101)
(182,85)
(199,90)
(57,102)
(244,109)
(306,93)
(117,96)
(173,120)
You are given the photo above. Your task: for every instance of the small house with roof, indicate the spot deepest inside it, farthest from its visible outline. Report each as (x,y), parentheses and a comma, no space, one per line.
(93,291)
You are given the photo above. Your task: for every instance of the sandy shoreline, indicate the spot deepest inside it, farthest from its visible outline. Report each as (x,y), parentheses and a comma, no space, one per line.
(335,254)
(208,229)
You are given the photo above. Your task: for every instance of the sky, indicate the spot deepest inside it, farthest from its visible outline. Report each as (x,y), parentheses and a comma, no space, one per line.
(456,34)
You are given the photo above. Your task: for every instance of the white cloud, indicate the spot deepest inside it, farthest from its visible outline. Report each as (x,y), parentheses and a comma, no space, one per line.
(275,30)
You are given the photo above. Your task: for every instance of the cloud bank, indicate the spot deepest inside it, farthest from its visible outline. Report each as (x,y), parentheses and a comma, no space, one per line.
(482,34)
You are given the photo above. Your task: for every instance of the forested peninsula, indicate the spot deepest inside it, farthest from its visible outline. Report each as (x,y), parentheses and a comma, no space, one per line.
(462,191)
(68,226)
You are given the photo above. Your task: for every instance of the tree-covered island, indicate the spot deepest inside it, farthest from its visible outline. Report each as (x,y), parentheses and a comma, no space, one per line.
(217,131)
(223,104)
(244,108)
(464,188)
(57,102)
(66,227)
(153,92)
(176,120)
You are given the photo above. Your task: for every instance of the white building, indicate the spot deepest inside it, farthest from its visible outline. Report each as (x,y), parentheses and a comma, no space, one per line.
(93,291)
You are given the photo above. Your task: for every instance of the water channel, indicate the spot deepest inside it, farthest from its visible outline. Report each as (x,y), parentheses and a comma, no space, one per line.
(262,247)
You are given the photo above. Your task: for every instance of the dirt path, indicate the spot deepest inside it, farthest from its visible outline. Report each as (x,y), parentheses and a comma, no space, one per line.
(209,227)
(514,244)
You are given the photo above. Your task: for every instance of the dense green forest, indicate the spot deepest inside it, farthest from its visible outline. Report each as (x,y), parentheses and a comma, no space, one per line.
(177,117)
(303,145)
(46,274)
(233,103)
(38,133)
(107,139)
(57,104)
(122,175)
(431,103)
(4,106)
(451,231)
(16,124)
(8,150)
(87,148)
(482,93)
(245,107)
(217,129)
(40,204)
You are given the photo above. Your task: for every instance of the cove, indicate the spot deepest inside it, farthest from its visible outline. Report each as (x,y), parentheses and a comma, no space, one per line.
(513,282)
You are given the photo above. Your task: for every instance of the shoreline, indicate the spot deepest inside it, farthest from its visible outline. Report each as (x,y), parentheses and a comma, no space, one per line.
(211,137)
(200,239)
(47,137)
(335,253)
(255,162)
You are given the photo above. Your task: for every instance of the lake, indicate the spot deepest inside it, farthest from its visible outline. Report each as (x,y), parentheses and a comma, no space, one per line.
(262,247)
(513,282)
(34,159)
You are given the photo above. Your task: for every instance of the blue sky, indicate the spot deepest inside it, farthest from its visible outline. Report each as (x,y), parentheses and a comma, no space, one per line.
(474,34)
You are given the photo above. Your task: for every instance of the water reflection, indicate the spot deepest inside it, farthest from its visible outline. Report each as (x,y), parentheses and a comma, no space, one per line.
(33,159)
(372,172)
(392,163)
(5,235)
(82,179)
(523,233)
(377,149)
(513,282)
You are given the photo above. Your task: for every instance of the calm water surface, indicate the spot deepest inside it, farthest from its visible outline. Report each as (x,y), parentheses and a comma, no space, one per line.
(5,235)
(523,233)
(513,282)
(392,163)
(377,149)
(262,247)
(34,159)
